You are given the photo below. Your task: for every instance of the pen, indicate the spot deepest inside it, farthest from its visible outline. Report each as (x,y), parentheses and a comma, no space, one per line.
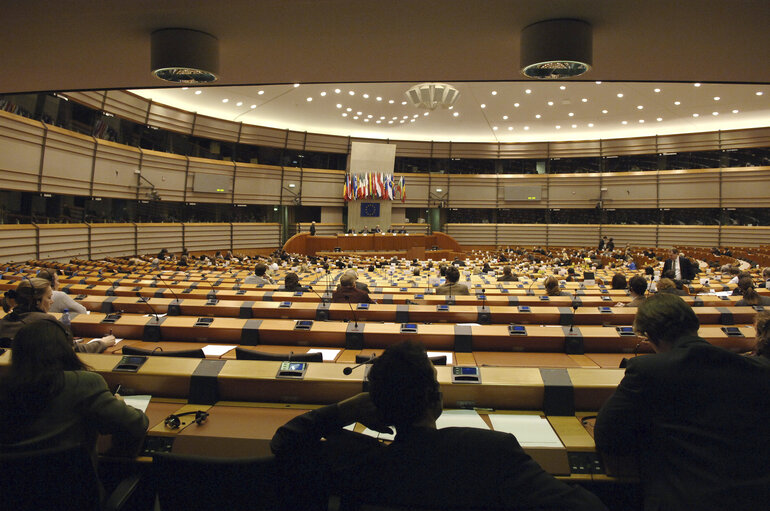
(117,390)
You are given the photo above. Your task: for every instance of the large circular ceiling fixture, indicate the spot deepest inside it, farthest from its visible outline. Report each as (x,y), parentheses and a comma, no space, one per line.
(432,95)
(554,49)
(182,55)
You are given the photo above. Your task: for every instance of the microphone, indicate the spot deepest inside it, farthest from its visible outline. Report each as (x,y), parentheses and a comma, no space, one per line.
(212,296)
(147,302)
(323,300)
(483,299)
(529,289)
(346,371)
(110,292)
(178,301)
(355,319)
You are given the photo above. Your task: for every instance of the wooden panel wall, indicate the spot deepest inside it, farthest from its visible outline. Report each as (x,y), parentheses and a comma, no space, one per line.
(150,238)
(67,162)
(112,240)
(257,184)
(21,147)
(62,241)
(253,235)
(19,242)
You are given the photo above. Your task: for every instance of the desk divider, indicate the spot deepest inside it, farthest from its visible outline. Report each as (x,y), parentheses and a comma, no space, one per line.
(106,306)
(463,339)
(559,395)
(245,311)
(151,331)
(725,316)
(268,296)
(354,336)
(204,388)
(513,301)
(322,311)
(250,332)
(566,316)
(573,341)
(402,313)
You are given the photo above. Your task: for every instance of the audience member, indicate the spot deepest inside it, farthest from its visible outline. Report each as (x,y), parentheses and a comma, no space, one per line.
(291,283)
(619,281)
(425,467)
(347,292)
(694,414)
(259,278)
(668,286)
(750,295)
(59,299)
(637,286)
(762,327)
(552,287)
(452,288)
(507,276)
(681,266)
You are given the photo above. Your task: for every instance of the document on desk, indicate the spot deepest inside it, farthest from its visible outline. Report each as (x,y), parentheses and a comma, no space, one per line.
(448,355)
(328,355)
(460,418)
(140,402)
(378,435)
(216,350)
(529,430)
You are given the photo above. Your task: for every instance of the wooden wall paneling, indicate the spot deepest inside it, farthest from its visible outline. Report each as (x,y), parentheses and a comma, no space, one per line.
(412,228)
(748,138)
(257,184)
(296,141)
(689,188)
(217,129)
(472,234)
(417,188)
(206,236)
(629,146)
(62,242)
(573,190)
(167,172)
(326,143)
(126,105)
(256,235)
(633,235)
(322,187)
(441,150)
(92,99)
(474,150)
(570,235)
(411,149)
(171,119)
(526,150)
(114,170)
(522,180)
(21,147)
(19,243)
(472,191)
(526,235)
(745,236)
(212,167)
(746,187)
(688,142)
(573,149)
(291,175)
(151,237)
(323,229)
(67,163)
(262,136)
(688,235)
(112,240)
(630,189)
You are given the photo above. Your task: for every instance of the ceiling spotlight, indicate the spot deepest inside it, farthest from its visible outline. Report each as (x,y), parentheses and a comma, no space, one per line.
(253,107)
(181,55)
(590,125)
(339,105)
(695,115)
(366,96)
(552,49)
(735,111)
(659,119)
(759,93)
(296,85)
(717,98)
(620,94)
(537,116)
(494,93)
(598,82)
(563,87)
(239,103)
(505,117)
(198,91)
(337,91)
(310,99)
(225,100)
(656,90)
(696,84)
(624,122)
(677,103)
(323,93)
(604,111)
(584,100)
(516,105)
(528,91)
(261,92)
(483,105)
(550,103)
(352,93)
(456,114)
(639,107)
(432,95)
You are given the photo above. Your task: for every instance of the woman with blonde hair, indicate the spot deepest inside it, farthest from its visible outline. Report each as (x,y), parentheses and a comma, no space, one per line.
(762,326)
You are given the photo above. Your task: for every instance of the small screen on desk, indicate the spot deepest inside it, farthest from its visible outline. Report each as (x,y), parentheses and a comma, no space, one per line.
(410,326)
(296,366)
(469,370)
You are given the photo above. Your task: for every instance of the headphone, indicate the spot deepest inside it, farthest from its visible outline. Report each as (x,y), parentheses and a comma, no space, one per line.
(173,421)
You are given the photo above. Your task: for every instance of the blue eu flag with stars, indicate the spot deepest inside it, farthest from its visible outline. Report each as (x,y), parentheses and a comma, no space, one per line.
(370,209)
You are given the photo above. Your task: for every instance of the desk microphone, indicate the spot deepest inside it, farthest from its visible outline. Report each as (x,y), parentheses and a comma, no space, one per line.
(346,371)
(574,311)
(323,300)
(529,289)
(483,299)
(147,302)
(212,296)
(355,319)
(112,283)
(169,288)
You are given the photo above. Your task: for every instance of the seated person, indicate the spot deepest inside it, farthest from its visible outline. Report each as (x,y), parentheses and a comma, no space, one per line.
(291,283)
(666,285)
(765,278)
(762,326)
(451,287)
(507,276)
(750,295)
(552,287)
(359,285)
(618,281)
(348,293)
(694,414)
(59,299)
(49,398)
(637,286)
(424,467)
(33,300)
(259,278)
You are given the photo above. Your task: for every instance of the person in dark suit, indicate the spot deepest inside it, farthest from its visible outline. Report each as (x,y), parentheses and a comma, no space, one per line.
(681,266)
(312,228)
(348,293)
(424,467)
(507,276)
(695,415)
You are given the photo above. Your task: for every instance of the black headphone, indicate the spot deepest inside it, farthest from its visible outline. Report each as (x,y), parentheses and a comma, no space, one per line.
(174,422)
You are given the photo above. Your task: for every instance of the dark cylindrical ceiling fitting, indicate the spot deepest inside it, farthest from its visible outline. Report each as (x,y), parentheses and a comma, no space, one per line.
(182,55)
(560,48)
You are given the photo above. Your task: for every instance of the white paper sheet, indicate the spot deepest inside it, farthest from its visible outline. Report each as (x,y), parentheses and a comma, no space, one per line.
(328,355)
(529,430)
(117,341)
(216,350)
(378,435)
(460,418)
(441,354)
(139,402)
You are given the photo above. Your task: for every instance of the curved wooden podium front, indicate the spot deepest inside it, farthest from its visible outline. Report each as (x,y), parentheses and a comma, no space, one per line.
(413,246)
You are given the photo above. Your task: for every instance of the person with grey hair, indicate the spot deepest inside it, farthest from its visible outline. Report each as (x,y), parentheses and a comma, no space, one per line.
(348,293)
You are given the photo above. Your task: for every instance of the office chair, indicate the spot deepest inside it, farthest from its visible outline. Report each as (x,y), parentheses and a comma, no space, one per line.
(196,353)
(246,354)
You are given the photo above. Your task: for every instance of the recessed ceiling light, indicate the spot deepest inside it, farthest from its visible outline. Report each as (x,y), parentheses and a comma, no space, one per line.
(562,87)
(405,117)
(253,106)
(403,102)
(696,84)
(695,115)
(401,121)
(528,91)
(411,120)
(537,116)
(382,117)
(261,92)
(759,93)
(378,121)
(550,103)
(624,122)
(677,103)
(358,113)
(425,114)
(526,128)
(225,100)
(344,114)
(494,128)
(574,125)
(714,113)
(494,93)
(310,99)
(558,127)
(239,103)
(483,105)
(639,107)
(604,111)
(641,121)
(339,105)
(656,90)
(659,119)
(349,109)
(571,114)
(366,96)
(717,98)
(379,98)
(337,91)
(620,94)
(451,107)
(198,91)
(584,100)
(510,128)
(185,88)
(416,116)
(370,116)
(323,93)
(598,82)
(352,93)
(516,105)
(456,114)
(735,111)
(366,120)
(355,117)
(391,101)
(505,117)
(390,122)
(394,118)
(590,125)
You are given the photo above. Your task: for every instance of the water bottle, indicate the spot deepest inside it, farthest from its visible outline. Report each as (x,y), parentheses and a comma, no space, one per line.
(65,319)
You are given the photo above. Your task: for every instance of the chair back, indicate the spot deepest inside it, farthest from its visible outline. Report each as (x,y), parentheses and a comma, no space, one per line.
(247,354)
(195,353)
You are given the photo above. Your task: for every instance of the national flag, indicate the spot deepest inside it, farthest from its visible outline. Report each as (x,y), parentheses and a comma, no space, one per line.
(403,189)
(345,189)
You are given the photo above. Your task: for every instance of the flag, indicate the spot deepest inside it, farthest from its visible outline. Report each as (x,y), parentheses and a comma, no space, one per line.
(345,188)
(403,189)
